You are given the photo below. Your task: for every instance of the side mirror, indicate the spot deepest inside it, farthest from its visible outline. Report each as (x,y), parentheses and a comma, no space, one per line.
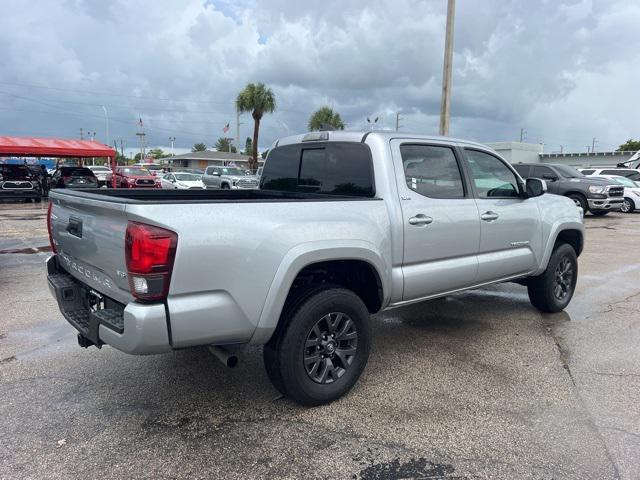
(535,187)
(549,177)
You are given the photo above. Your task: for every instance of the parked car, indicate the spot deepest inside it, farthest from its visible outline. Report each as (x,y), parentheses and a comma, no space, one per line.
(19,182)
(631,173)
(228,178)
(591,194)
(134,177)
(102,173)
(344,225)
(631,201)
(181,181)
(154,169)
(73,177)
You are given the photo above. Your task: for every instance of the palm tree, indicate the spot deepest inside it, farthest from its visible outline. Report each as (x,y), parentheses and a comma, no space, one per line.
(257,99)
(324,118)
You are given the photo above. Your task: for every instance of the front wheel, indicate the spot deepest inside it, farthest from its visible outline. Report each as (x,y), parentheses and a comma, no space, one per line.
(323,346)
(225,186)
(580,201)
(627,206)
(551,291)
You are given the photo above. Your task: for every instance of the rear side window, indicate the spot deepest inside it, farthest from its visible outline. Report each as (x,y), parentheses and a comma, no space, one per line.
(432,171)
(335,168)
(587,172)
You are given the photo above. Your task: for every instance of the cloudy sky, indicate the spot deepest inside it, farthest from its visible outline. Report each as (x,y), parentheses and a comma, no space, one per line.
(564,70)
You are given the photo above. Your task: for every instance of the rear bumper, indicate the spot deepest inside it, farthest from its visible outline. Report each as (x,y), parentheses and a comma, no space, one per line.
(605,204)
(135,328)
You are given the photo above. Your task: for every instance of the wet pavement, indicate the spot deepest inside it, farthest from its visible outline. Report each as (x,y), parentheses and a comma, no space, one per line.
(476,385)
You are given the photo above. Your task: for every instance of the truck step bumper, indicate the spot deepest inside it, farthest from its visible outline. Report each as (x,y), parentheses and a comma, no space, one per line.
(135,328)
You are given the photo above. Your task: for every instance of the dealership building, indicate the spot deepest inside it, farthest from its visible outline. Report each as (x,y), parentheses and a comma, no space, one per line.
(518,152)
(208,158)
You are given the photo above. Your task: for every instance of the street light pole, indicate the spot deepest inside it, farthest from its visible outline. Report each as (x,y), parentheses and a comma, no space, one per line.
(172,139)
(446,71)
(106,116)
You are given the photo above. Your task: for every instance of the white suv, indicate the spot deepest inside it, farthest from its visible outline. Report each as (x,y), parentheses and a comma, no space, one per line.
(631,200)
(632,173)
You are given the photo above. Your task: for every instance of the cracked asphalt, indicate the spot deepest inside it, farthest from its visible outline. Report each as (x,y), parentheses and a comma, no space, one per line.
(476,385)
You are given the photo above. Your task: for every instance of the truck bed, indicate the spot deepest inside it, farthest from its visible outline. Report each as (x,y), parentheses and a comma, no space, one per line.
(160,196)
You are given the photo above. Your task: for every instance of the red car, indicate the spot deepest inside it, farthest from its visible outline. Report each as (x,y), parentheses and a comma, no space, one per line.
(134,177)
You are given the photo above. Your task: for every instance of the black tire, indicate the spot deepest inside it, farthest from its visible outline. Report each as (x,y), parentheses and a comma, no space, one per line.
(600,213)
(627,205)
(580,201)
(547,292)
(284,354)
(225,186)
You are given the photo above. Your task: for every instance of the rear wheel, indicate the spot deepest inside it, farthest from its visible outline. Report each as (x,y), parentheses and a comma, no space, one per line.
(579,200)
(321,348)
(627,206)
(551,291)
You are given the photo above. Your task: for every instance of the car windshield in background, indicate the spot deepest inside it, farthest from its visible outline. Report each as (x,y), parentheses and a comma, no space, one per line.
(568,172)
(153,167)
(627,182)
(232,171)
(140,172)
(187,177)
(14,172)
(76,172)
(100,169)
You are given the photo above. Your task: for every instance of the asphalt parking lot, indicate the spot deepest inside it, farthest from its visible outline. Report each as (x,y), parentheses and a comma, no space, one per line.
(476,385)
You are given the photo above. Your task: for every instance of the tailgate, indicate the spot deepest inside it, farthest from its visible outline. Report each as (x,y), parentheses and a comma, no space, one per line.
(89,235)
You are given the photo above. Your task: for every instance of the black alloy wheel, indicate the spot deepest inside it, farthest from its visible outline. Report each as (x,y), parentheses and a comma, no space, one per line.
(563,279)
(330,348)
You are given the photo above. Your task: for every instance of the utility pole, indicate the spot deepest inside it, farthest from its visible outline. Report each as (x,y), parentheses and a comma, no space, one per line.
(593,145)
(445,105)
(122,147)
(398,121)
(81,137)
(141,135)
(172,139)
(561,149)
(523,135)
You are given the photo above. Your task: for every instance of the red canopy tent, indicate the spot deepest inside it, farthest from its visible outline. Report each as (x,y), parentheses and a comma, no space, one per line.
(56,147)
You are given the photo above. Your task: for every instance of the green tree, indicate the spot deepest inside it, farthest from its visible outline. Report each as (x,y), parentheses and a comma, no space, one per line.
(324,118)
(224,145)
(265,153)
(248,146)
(157,153)
(199,147)
(630,146)
(257,99)
(137,157)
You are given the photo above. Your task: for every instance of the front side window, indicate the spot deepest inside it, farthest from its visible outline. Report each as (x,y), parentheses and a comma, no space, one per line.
(491,177)
(432,171)
(542,172)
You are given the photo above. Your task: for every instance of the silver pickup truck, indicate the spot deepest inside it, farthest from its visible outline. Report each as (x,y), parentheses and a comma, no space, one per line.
(344,225)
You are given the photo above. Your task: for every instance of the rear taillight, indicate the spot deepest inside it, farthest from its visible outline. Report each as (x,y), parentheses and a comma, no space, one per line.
(66,179)
(150,252)
(49,228)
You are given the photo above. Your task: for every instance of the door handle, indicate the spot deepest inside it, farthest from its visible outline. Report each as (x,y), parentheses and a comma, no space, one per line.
(420,219)
(489,216)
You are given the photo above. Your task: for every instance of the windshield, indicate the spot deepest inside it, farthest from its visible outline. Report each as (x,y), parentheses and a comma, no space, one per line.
(100,169)
(232,171)
(14,172)
(75,172)
(627,182)
(187,177)
(153,167)
(568,172)
(140,172)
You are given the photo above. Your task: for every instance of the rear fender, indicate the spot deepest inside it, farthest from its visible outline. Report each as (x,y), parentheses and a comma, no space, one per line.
(306,254)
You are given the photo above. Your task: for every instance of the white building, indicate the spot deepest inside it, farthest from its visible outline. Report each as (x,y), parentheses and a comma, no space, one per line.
(517,152)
